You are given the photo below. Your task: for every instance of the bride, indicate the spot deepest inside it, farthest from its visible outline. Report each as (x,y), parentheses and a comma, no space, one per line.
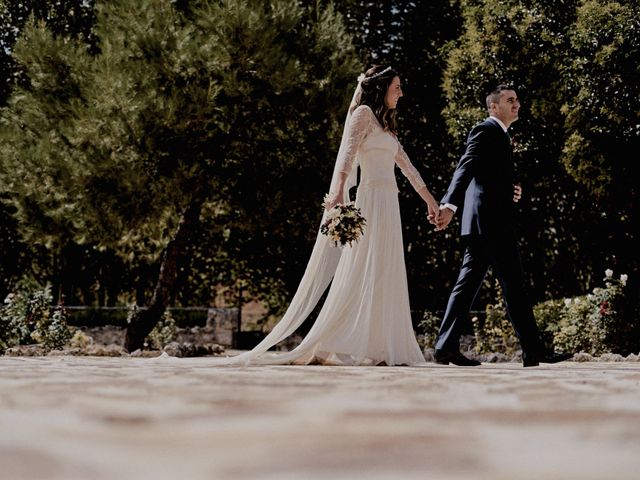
(365,319)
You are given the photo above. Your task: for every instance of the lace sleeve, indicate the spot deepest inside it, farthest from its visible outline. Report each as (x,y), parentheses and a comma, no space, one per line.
(359,127)
(408,170)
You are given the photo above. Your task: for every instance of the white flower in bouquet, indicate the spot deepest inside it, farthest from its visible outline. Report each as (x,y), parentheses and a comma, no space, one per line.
(623,279)
(333,215)
(344,224)
(608,272)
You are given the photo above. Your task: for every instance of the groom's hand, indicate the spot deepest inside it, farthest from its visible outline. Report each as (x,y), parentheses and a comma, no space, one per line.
(443,220)
(434,214)
(517,193)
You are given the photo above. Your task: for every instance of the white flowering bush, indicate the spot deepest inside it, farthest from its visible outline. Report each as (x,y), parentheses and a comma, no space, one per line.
(13,321)
(27,316)
(595,323)
(578,327)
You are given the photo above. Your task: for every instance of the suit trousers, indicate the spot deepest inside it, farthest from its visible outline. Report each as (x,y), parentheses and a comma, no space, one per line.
(501,253)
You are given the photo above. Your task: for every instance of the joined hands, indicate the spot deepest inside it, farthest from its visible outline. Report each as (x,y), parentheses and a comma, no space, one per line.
(442,219)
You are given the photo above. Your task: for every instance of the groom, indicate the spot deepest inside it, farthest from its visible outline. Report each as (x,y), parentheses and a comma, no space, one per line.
(483,185)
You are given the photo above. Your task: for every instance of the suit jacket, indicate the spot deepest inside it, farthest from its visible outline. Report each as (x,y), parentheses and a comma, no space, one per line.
(482,183)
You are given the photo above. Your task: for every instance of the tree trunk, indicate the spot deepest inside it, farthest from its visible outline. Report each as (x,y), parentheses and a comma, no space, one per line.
(143,322)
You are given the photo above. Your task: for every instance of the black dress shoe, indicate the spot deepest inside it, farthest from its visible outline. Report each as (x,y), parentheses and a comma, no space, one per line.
(534,361)
(445,358)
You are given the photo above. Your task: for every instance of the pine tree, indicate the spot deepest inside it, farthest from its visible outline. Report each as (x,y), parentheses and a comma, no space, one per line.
(602,126)
(72,18)
(187,108)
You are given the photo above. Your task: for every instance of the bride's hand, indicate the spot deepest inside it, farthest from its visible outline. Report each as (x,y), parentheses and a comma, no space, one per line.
(434,209)
(330,201)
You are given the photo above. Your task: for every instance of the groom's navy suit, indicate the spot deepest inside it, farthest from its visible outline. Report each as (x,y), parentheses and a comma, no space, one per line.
(482,185)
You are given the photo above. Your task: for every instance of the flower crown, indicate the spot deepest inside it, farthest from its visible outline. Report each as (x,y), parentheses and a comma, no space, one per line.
(362,77)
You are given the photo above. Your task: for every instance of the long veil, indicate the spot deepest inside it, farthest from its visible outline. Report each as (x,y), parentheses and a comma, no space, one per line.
(321,266)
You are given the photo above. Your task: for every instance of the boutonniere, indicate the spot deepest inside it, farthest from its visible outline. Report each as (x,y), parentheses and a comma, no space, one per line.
(516,145)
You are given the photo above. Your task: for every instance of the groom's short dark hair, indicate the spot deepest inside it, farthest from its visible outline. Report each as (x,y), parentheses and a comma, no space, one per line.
(494,96)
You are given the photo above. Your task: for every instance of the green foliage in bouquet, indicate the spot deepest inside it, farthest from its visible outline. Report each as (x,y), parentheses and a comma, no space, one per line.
(27,315)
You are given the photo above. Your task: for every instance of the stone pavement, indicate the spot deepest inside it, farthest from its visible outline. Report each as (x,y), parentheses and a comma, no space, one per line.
(68,418)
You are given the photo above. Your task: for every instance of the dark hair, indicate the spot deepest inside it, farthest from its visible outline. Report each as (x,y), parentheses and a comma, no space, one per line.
(374,89)
(494,96)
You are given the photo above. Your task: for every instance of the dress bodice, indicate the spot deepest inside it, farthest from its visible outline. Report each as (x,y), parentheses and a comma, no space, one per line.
(376,151)
(376,157)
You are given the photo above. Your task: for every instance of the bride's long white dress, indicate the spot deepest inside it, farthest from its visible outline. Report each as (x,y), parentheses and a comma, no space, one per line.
(366,317)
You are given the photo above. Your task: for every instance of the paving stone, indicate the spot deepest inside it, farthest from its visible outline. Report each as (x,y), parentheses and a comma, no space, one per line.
(67,418)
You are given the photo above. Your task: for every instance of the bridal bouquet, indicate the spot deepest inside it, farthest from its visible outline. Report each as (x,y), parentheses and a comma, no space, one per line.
(344,224)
